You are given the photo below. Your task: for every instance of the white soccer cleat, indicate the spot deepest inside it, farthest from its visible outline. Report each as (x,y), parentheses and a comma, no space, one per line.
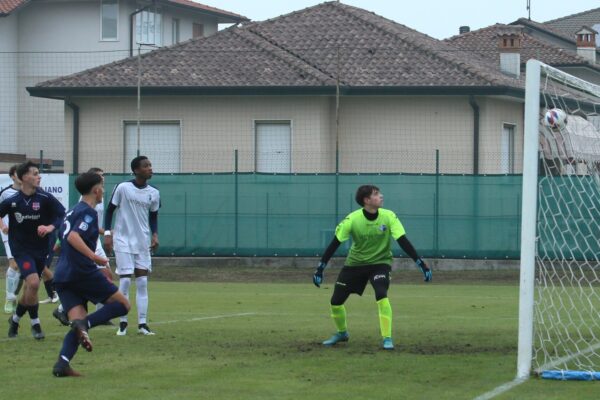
(10,306)
(145,330)
(55,298)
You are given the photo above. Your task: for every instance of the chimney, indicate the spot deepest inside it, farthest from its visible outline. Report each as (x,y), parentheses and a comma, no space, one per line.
(586,43)
(464,29)
(509,45)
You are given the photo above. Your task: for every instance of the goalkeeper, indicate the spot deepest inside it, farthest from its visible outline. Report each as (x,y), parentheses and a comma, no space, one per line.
(369,260)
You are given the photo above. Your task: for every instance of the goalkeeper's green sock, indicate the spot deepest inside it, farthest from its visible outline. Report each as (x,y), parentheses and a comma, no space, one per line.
(385,317)
(338,313)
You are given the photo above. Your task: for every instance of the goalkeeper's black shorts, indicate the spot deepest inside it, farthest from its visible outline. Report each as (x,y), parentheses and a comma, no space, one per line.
(354,279)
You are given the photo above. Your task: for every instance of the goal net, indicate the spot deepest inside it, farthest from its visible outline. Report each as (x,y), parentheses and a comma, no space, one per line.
(559,327)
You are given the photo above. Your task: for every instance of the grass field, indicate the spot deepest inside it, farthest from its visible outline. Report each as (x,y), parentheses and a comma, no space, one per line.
(231,335)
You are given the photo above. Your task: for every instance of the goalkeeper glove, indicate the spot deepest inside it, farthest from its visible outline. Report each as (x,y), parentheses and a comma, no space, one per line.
(425,269)
(318,275)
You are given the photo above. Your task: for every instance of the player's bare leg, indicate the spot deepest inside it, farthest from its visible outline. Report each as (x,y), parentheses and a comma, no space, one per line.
(27,303)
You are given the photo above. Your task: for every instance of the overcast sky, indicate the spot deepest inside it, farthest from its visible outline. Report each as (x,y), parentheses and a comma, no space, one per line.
(437,18)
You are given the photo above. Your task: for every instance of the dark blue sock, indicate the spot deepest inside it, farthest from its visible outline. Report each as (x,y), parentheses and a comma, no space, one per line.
(69,348)
(21,310)
(49,286)
(106,313)
(33,311)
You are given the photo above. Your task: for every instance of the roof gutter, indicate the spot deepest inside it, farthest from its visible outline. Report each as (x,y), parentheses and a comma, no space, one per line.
(475,108)
(63,92)
(75,156)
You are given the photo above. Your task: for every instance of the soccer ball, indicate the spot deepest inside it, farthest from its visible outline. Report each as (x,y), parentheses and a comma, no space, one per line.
(555,118)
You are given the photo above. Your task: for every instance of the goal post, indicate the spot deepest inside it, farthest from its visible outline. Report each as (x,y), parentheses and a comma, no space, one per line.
(559,296)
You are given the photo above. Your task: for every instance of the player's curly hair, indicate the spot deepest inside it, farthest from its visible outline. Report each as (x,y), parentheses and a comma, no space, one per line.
(365,191)
(136,162)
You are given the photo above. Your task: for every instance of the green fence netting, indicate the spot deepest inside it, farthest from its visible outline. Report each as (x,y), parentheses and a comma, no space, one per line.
(445,216)
(448,216)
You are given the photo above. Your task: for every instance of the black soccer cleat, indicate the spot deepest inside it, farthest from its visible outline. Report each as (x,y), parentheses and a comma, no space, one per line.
(61,371)
(61,316)
(13,328)
(145,330)
(122,331)
(36,331)
(80,328)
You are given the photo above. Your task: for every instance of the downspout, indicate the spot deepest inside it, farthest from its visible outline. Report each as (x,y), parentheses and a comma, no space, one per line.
(75,109)
(475,108)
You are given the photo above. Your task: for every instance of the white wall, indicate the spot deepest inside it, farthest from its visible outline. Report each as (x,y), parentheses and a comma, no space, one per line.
(377,133)
(8,84)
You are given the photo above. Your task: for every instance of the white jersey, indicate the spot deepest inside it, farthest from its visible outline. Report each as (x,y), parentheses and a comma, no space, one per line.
(7,192)
(131,231)
(100,210)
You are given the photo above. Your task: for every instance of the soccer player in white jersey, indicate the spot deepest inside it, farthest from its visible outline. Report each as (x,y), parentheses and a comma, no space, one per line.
(12,272)
(135,234)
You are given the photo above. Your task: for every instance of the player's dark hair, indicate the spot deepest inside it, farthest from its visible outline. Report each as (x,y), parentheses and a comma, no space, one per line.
(95,170)
(86,181)
(22,169)
(13,170)
(136,162)
(365,191)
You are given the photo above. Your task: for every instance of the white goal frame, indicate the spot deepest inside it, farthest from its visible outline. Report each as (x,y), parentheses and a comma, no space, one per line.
(534,72)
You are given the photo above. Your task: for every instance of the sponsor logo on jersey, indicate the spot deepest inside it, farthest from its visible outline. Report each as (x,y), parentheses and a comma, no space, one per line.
(88,218)
(20,217)
(83,226)
(13,205)
(383,228)
(26,265)
(35,205)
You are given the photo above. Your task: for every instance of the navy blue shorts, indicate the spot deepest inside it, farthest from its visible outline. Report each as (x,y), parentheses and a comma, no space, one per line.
(30,265)
(94,287)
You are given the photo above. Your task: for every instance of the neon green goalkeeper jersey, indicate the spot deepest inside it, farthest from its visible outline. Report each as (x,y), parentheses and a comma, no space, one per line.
(371,240)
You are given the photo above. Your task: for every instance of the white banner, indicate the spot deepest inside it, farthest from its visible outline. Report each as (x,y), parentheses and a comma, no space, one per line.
(55,184)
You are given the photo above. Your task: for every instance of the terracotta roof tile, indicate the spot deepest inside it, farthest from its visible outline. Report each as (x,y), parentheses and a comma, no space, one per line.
(484,42)
(570,24)
(301,49)
(8,6)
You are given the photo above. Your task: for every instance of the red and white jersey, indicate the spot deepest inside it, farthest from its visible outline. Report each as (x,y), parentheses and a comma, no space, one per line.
(131,230)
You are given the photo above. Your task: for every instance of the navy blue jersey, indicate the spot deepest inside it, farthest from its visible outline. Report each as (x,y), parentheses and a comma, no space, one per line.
(73,265)
(25,215)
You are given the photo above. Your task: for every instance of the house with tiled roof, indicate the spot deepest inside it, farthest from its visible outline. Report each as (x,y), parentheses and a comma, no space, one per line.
(324,89)
(578,34)
(485,43)
(44,39)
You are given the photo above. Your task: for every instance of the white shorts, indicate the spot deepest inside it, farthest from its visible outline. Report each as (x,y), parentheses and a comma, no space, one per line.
(127,262)
(7,249)
(100,252)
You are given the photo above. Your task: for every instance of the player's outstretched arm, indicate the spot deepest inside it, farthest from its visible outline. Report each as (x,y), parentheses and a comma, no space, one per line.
(318,275)
(408,248)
